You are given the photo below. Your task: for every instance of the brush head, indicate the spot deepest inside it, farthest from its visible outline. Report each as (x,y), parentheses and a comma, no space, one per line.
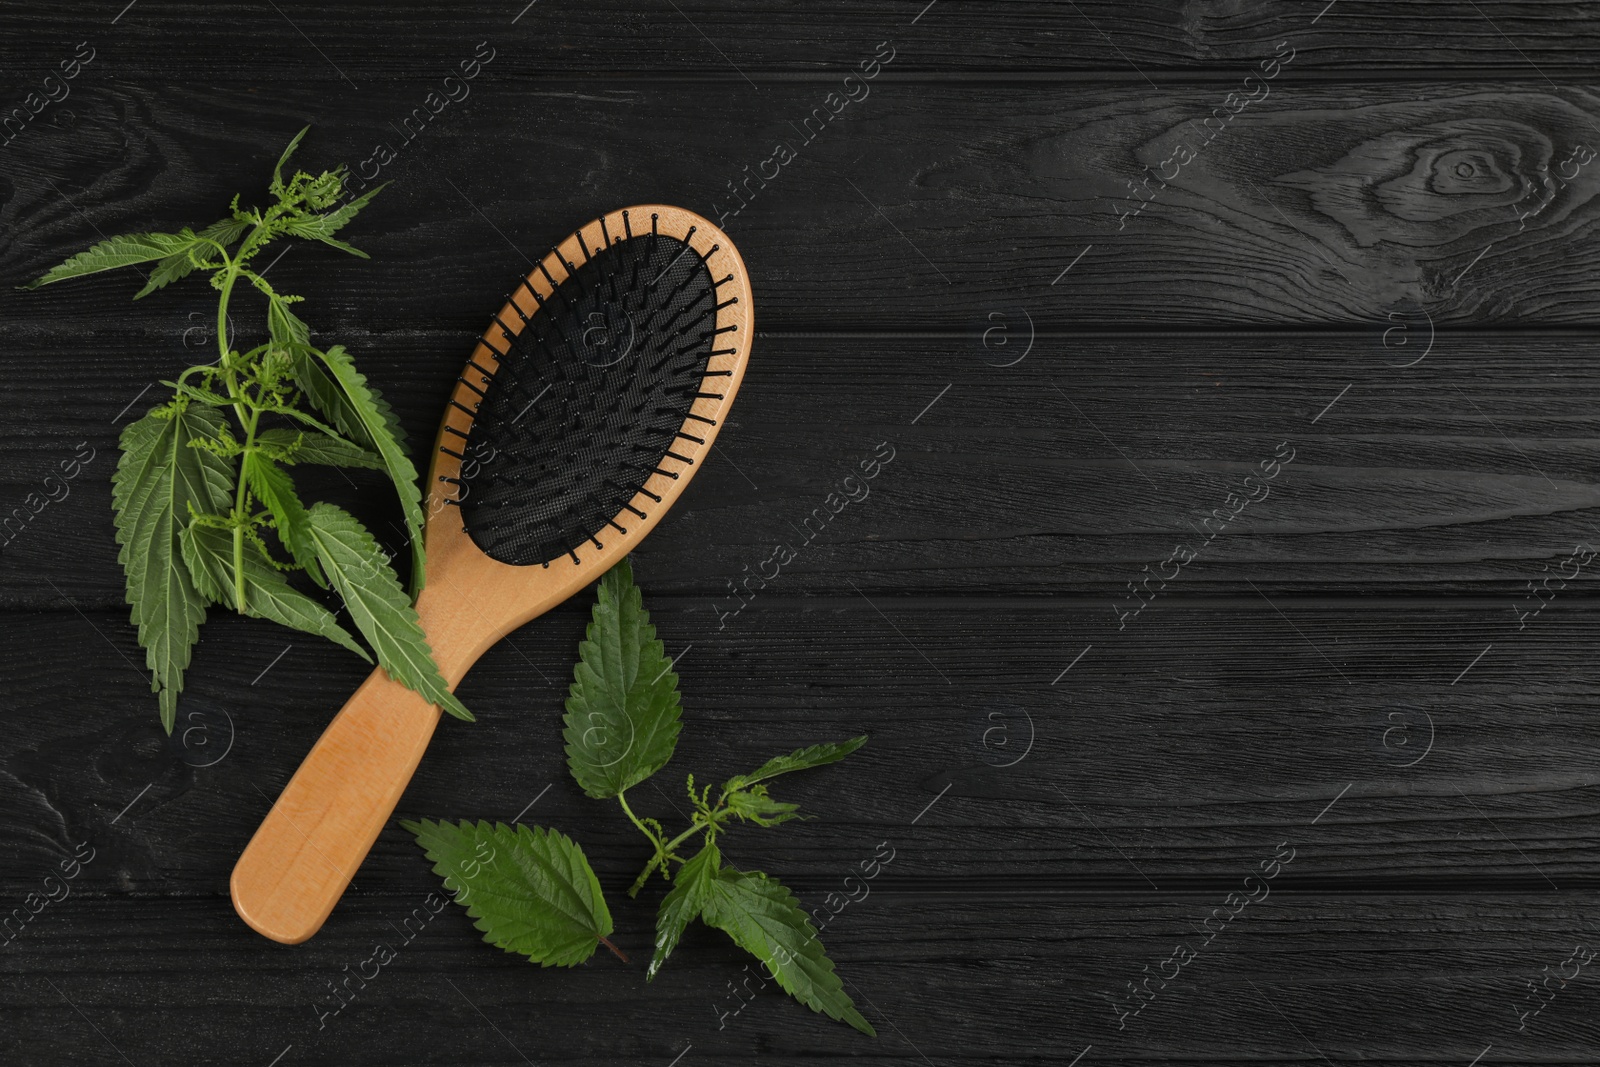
(598,387)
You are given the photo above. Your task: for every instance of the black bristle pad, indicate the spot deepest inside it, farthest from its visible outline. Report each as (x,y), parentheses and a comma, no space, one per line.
(588,399)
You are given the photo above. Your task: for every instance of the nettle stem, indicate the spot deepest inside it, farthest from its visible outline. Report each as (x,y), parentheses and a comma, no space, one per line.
(224,360)
(246,423)
(247,412)
(663,852)
(681,838)
(622,798)
(240,513)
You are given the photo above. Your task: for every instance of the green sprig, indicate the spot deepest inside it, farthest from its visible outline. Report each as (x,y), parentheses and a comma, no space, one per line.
(622,724)
(192,494)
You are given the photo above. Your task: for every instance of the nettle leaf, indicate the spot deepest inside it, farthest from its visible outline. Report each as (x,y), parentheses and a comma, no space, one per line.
(208,552)
(323,227)
(359,570)
(754,805)
(684,902)
(181,264)
(159,479)
(358,410)
(277,172)
(226,231)
(272,486)
(328,396)
(798,760)
(126,250)
(298,446)
(530,891)
(284,325)
(765,920)
(622,708)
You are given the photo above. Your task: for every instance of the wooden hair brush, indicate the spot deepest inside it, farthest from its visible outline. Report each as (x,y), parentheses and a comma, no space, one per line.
(587,406)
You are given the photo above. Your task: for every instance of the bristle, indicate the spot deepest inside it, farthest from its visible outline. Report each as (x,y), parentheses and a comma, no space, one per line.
(591,394)
(555,288)
(574,276)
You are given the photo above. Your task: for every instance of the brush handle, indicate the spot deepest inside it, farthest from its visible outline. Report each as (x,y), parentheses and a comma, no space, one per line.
(310,844)
(308,848)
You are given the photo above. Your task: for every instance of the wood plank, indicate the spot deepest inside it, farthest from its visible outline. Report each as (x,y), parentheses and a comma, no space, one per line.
(920,207)
(1071,471)
(1172,751)
(409,40)
(1291,980)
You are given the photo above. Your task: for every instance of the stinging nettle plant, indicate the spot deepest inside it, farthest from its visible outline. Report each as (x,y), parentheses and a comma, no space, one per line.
(536,894)
(195,493)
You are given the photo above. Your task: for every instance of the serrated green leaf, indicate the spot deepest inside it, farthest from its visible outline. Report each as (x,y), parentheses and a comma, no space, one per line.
(298,446)
(765,920)
(754,805)
(328,397)
(530,891)
(308,228)
(323,227)
(208,553)
(684,902)
(622,708)
(272,486)
(277,171)
(285,326)
(125,250)
(159,479)
(799,760)
(310,421)
(359,411)
(226,231)
(181,263)
(358,569)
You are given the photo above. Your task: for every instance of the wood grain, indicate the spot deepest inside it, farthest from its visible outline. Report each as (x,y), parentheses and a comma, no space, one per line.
(1416,978)
(916,208)
(1172,751)
(414,41)
(1069,471)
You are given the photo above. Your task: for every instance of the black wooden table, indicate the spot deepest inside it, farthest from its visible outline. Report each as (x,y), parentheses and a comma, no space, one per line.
(1223,623)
